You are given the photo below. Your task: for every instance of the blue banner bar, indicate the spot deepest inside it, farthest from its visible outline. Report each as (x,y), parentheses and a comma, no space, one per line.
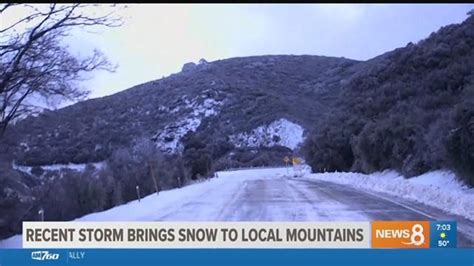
(244,257)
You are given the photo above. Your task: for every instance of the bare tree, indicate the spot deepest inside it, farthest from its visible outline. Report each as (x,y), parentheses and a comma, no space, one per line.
(35,64)
(145,151)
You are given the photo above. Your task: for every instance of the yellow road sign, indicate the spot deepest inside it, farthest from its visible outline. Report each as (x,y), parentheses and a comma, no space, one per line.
(296,161)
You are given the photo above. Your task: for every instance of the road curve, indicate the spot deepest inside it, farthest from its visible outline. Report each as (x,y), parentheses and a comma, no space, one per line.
(280,198)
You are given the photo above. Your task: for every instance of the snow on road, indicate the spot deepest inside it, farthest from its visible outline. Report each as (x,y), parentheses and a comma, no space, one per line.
(254,194)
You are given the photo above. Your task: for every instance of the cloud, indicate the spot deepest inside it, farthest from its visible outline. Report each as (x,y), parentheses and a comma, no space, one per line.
(156,40)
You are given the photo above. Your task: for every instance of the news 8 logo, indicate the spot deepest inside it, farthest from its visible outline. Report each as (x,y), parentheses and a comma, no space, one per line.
(400,234)
(443,234)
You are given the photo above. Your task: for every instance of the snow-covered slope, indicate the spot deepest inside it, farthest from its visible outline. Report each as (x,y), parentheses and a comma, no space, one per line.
(168,139)
(280,132)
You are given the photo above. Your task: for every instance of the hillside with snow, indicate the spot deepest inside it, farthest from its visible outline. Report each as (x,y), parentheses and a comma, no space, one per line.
(239,102)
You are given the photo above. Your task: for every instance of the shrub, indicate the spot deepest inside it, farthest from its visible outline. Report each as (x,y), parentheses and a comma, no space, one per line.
(460,144)
(37,171)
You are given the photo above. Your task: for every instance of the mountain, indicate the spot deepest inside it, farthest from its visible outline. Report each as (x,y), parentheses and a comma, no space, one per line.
(410,110)
(220,100)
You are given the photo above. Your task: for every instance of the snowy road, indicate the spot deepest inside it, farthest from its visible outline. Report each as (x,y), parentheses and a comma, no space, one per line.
(270,195)
(280,198)
(272,198)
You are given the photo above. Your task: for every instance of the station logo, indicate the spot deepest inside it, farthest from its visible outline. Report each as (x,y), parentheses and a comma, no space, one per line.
(44,255)
(401,234)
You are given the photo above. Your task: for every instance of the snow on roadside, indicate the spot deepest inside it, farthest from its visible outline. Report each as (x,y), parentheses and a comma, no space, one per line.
(438,189)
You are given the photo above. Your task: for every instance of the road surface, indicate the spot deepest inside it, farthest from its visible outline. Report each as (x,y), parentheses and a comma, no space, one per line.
(280,198)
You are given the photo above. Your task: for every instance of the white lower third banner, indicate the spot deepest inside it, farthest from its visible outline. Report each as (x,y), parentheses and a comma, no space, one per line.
(196,234)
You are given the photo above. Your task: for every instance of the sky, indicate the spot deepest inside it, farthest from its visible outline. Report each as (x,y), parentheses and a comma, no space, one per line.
(156,40)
